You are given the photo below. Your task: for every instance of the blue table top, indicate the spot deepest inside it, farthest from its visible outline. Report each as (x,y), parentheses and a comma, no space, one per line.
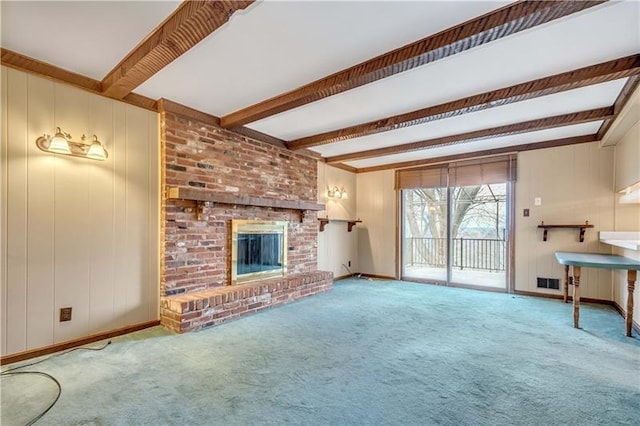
(596,260)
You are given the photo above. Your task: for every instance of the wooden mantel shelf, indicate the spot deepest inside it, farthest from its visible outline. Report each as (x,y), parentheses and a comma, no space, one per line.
(201,196)
(581,227)
(350,222)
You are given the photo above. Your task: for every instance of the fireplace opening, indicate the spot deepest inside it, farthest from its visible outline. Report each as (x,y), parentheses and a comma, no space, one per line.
(258,250)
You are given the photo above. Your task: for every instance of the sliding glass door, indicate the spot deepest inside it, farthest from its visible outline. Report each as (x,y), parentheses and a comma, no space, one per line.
(425,242)
(478,235)
(455,221)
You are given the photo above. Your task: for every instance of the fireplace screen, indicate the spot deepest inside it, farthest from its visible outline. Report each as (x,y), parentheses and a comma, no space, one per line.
(258,250)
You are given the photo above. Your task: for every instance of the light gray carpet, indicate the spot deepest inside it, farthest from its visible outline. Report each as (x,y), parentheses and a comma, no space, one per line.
(367,353)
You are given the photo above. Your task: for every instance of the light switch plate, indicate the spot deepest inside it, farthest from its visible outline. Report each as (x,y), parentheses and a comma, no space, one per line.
(537,201)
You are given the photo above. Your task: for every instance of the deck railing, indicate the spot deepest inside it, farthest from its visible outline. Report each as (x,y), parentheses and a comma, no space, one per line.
(468,253)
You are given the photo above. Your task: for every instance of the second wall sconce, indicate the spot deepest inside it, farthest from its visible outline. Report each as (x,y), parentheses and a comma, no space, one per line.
(61,143)
(336,192)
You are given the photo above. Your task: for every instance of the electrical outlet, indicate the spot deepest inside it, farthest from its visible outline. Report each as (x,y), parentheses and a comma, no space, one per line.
(525,213)
(65,314)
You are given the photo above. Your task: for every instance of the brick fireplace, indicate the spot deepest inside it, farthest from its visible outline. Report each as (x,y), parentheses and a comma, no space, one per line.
(234,178)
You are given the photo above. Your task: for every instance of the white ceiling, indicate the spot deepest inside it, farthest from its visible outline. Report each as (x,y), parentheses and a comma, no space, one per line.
(585,38)
(273,47)
(86,37)
(590,97)
(491,143)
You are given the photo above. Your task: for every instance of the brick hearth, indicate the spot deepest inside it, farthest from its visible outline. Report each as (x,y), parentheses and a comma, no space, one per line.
(196,258)
(197,310)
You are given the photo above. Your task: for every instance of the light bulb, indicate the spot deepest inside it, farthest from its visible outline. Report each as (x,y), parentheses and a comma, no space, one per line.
(59,143)
(96,151)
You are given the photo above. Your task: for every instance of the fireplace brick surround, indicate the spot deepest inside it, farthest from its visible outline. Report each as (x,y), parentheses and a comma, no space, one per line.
(194,311)
(196,257)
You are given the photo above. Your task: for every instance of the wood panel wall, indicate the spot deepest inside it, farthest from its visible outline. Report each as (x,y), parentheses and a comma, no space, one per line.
(626,137)
(75,232)
(337,246)
(377,206)
(575,184)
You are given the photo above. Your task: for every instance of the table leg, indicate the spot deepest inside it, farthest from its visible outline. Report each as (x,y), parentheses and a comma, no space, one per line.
(566,283)
(631,281)
(576,296)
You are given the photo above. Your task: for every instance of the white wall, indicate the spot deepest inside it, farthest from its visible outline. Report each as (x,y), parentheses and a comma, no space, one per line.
(625,135)
(76,232)
(337,247)
(576,185)
(628,157)
(376,206)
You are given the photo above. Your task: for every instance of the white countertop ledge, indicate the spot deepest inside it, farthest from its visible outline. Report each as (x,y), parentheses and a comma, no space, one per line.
(624,239)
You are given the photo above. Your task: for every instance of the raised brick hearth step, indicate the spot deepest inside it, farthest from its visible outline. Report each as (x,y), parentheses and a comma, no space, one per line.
(193,311)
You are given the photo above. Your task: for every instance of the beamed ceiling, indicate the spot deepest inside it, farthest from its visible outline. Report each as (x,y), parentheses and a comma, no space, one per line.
(366,85)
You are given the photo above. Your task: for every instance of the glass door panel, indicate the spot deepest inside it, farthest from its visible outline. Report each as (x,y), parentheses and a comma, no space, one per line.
(478,235)
(424,234)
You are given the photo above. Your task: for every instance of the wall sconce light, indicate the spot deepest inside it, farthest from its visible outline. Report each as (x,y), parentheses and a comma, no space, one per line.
(337,193)
(61,143)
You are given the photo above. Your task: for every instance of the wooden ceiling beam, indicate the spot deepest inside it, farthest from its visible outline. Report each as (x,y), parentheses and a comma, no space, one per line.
(510,129)
(484,153)
(24,63)
(594,74)
(344,167)
(33,66)
(495,25)
(189,24)
(168,106)
(620,102)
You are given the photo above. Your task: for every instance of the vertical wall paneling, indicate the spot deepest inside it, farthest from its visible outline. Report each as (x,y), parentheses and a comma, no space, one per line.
(153,216)
(75,232)
(71,209)
(336,246)
(40,227)
(322,186)
(523,194)
(628,155)
(376,206)
(3,211)
(16,301)
(625,135)
(101,216)
(575,184)
(119,163)
(137,212)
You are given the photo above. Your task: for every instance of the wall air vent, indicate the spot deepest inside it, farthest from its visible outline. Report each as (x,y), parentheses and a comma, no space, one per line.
(552,283)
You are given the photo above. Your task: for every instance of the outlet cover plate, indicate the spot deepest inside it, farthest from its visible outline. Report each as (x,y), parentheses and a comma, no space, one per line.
(65,314)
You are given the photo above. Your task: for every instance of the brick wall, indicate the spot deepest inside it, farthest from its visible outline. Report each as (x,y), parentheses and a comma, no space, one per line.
(196,255)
